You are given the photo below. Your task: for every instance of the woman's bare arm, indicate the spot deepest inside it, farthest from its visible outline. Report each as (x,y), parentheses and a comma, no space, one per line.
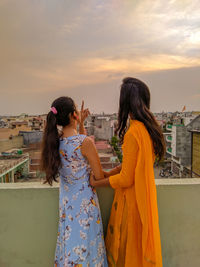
(98,183)
(82,129)
(114,171)
(89,151)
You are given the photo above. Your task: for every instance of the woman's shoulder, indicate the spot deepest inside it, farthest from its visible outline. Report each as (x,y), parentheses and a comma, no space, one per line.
(138,130)
(73,140)
(130,136)
(137,126)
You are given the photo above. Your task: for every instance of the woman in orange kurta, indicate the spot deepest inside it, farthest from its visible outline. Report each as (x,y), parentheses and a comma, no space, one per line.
(133,237)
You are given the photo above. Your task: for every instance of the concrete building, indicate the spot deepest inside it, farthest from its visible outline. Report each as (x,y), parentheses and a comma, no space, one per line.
(31,137)
(3,124)
(180,143)
(8,144)
(29,142)
(101,126)
(195,161)
(168,140)
(32,140)
(34,122)
(194,124)
(6,133)
(106,155)
(189,119)
(15,124)
(179,146)
(37,123)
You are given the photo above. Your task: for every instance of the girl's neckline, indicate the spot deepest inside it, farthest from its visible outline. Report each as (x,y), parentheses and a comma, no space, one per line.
(62,137)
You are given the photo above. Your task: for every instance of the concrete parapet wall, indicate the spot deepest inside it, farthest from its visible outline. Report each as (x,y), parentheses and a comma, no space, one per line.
(29,221)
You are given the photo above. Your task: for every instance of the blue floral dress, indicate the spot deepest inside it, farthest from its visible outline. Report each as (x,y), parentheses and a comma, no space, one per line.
(80,240)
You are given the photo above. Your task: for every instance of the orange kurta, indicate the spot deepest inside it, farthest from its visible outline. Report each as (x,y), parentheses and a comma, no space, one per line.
(133,236)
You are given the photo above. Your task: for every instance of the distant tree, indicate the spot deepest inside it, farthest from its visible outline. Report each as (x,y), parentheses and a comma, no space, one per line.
(115,144)
(164,127)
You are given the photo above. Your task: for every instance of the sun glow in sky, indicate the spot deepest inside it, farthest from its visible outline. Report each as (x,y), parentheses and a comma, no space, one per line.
(84,48)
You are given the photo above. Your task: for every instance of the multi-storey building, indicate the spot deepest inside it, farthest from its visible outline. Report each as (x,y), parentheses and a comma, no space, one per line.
(101,126)
(179,146)
(195,162)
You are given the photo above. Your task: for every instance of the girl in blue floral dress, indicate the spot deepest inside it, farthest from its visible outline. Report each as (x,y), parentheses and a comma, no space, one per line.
(73,156)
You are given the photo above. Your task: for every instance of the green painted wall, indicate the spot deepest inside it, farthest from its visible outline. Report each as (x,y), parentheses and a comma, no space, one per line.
(179,213)
(28,224)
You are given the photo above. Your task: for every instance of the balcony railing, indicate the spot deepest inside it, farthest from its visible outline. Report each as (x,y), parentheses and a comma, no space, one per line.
(169,127)
(169,150)
(169,138)
(29,221)
(9,166)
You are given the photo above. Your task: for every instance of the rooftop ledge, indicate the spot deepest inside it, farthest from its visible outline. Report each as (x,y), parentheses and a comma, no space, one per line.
(40,185)
(29,222)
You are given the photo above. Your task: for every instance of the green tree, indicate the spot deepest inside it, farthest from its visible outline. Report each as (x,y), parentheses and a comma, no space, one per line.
(115,144)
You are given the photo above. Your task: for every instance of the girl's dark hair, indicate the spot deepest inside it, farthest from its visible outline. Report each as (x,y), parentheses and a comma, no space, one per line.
(50,158)
(135,101)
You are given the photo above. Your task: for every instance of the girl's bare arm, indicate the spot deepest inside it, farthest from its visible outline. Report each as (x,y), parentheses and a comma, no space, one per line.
(114,171)
(89,151)
(99,183)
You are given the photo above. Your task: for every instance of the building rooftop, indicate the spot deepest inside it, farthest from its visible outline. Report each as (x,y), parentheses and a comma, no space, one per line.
(11,161)
(195,130)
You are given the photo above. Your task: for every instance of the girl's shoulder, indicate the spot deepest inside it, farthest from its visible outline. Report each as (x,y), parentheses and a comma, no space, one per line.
(88,142)
(81,137)
(73,138)
(72,142)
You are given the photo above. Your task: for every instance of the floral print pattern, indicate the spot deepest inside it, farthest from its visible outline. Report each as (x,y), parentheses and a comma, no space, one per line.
(80,240)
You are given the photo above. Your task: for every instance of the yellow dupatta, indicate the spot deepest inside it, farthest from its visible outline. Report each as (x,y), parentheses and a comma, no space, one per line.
(146,197)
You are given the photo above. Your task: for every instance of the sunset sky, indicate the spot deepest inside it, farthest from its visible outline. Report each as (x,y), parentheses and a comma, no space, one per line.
(83,49)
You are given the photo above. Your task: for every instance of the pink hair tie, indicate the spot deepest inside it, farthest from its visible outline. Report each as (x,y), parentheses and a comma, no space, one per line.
(54,110)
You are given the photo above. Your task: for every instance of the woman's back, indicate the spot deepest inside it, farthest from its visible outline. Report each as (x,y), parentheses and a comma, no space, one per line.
(80,233)
(75,169)
(80,229)
(134,215)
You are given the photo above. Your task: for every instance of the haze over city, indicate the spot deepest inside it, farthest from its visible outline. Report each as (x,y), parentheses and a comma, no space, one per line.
(83,49)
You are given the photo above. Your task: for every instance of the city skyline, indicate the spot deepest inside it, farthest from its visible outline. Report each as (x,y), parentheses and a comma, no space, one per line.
(83,49)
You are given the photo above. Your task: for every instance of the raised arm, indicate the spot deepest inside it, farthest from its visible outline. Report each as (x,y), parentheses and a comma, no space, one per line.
(84,113)
(89,150)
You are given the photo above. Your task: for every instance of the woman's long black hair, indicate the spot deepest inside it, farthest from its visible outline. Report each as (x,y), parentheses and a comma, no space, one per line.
(50,158)
(135,102)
